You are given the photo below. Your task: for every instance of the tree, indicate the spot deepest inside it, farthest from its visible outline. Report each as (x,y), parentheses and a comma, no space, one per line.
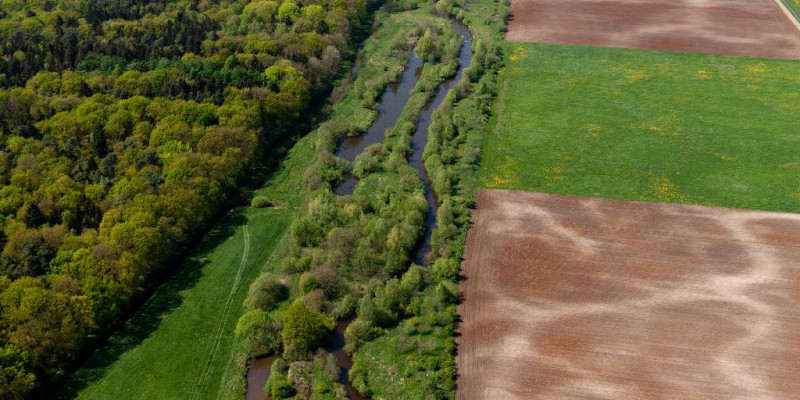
(304,330)
(15,378)
(31,215)
(288,11)
(426,46)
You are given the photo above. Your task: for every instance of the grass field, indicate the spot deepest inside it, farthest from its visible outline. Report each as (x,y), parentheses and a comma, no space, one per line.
(181,342)
(647,125)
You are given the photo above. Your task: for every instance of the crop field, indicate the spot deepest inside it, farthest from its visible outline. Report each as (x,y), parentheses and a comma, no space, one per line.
(181,342)
(577,297)
(646,125)
(757,28)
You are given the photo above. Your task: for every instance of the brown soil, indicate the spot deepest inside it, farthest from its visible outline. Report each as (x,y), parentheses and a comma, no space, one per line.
(756,28)
(568,297)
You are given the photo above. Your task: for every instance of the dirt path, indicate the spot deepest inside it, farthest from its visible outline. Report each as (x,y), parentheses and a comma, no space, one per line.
(568,297)
(756,28)
(196,393)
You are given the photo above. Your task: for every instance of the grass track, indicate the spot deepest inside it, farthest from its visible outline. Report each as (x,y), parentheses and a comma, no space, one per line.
(794,5)
(179,345)
(647,125)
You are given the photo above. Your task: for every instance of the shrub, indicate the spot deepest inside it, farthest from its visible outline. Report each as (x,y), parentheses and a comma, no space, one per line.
(261,202)
(308,282)
(266,293)
(258,332)
(358,332)
(279,387)
(445,269)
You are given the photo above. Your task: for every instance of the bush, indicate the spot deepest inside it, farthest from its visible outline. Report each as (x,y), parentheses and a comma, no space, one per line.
(258,332)
(266,293)
(358,332)
(279,387)
(444,269)
(308,282)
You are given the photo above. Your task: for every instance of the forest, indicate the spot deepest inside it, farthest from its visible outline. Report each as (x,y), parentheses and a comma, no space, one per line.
(126,129)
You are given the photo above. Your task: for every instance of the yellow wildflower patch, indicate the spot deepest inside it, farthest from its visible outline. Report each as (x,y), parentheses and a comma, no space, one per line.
(664,189)
(702,74)
(518,54)
(505,176)
(635,76)
(594,130)
(759,68)
(723,157)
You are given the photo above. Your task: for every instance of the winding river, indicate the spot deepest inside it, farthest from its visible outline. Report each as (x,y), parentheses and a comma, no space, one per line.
(392,102)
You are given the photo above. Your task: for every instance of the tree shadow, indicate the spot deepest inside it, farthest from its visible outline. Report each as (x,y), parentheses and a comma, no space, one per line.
(147,318)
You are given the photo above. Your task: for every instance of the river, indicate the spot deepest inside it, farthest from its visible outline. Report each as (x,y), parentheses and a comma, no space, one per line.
(392,102)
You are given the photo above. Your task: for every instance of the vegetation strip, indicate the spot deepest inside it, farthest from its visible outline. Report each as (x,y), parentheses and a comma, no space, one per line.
(385,180)
(792,9)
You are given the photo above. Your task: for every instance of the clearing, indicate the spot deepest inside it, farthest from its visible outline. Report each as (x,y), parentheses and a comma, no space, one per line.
(574,297)
(646,125)
(181,342)
(756,28)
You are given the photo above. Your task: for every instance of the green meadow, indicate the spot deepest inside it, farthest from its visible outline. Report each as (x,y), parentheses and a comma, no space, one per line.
(180,343)
(646,125)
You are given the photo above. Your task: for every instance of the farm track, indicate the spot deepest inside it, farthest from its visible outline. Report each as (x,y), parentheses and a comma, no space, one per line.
(572,297)
(196,393)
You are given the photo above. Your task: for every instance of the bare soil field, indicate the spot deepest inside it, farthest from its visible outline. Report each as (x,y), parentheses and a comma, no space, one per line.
(569,297)
(756,28)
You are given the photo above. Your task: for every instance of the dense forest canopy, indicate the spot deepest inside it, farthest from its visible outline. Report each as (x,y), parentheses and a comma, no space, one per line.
(124,128)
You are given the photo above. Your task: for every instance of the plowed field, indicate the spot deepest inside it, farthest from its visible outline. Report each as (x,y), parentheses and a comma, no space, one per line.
(572,297)
(757,28)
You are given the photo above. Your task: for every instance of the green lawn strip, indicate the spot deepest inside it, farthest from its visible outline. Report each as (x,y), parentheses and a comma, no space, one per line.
(647,125)
(794,6)
(179,344)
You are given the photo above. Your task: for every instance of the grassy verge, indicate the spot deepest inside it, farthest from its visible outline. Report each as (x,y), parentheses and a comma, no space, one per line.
(794,6)
(183,336)
(647,125)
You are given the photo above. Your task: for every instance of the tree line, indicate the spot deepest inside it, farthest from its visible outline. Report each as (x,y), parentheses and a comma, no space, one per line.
(120,143)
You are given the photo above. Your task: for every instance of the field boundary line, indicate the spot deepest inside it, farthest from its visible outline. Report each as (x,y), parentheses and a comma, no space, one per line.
(790,13)
(221,326)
